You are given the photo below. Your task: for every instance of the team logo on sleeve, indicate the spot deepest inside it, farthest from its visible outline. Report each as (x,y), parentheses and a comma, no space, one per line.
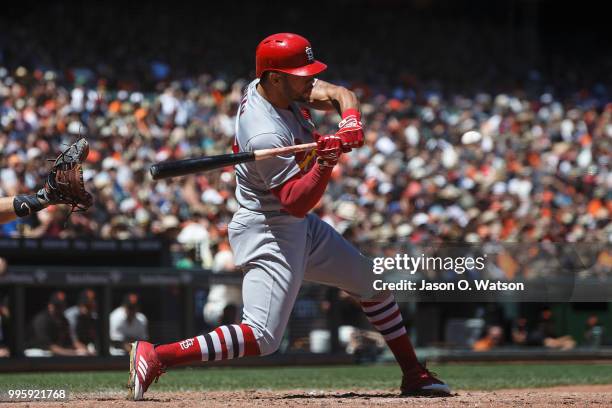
(305,160)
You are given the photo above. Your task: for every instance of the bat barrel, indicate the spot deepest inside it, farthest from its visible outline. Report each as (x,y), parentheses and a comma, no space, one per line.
(175,168)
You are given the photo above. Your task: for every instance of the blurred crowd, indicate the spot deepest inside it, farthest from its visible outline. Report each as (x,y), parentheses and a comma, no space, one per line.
(472,134)
(531,169)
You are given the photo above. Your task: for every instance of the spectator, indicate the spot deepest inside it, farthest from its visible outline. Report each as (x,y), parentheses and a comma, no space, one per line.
(5,319)
(83,321)
(603,265)
(3,266)
(545,333)
(51,330)
(127,324)
(365,345)
(224,301)
(520,334)
(492,339)
(356,334)
(594,333)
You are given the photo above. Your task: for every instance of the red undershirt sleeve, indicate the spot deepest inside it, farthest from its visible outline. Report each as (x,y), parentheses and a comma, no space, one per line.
(301,193)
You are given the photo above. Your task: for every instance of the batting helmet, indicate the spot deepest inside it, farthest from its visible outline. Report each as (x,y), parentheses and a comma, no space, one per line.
(288,53)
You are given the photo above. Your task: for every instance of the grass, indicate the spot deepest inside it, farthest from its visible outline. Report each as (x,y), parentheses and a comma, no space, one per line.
(385,377)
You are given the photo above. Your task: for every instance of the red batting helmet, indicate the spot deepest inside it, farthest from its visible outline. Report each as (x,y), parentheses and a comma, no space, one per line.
(288,53)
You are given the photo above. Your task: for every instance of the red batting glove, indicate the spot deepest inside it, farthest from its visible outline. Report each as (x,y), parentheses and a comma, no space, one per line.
(329,150)
(350,130)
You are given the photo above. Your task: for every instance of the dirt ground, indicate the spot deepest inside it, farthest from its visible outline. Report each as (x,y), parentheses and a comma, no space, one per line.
(588,395)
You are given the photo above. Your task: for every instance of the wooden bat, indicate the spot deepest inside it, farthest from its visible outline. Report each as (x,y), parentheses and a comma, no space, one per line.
(177,168)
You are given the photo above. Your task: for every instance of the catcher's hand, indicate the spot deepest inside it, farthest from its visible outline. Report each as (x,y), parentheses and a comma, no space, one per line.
(64,184)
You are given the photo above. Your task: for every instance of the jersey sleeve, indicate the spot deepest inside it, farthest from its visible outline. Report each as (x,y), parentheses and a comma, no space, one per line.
(276,170)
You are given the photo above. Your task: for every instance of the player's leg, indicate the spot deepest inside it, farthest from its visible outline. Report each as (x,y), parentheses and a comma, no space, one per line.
(148,362)
(272,251)
(272,254)
(267,306)
(333,261)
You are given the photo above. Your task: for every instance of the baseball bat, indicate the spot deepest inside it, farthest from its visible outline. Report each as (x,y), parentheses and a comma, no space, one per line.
(177,168)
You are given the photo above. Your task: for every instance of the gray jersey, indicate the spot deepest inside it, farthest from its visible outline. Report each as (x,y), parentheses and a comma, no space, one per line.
(275,250)
(259,125)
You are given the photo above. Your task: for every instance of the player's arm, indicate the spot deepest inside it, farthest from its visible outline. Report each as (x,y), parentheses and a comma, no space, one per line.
(326,96)
(64,351)
(7,212)
(22,205)
(64,185)
(301,193)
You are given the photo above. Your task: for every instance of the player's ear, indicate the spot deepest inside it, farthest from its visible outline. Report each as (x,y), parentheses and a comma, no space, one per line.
(274,78)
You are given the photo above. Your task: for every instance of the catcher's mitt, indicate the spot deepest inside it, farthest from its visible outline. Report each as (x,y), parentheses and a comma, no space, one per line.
(64,184)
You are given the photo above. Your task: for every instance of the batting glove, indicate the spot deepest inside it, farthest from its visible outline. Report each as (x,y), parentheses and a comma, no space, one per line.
(350,130)
(329,150)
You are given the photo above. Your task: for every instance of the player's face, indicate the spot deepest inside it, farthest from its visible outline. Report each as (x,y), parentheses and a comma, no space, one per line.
(297,88)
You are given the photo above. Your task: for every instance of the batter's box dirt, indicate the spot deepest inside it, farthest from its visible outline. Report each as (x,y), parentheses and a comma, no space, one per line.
(580,396)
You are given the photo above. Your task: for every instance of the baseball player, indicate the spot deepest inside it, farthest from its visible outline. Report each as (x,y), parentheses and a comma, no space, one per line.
(64,185)
(273,236)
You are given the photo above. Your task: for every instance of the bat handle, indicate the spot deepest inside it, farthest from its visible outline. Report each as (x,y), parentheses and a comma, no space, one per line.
(262,154)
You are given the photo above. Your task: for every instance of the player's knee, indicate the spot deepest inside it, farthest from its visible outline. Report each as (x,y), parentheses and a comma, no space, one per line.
(366,293)
(374,296)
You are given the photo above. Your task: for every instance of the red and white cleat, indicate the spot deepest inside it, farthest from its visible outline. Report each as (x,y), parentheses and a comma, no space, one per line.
(144,368)
(422,383)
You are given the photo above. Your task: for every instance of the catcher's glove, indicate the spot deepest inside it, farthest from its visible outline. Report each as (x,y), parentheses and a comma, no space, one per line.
(64,184)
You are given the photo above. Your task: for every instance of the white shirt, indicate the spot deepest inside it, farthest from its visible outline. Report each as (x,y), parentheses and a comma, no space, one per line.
(122,330)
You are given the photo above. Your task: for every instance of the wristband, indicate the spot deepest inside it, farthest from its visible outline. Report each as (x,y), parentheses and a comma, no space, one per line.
(351,111)
(25,205)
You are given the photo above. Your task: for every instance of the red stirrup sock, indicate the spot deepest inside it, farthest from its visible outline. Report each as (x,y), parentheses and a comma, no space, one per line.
(225,342)
(386,317)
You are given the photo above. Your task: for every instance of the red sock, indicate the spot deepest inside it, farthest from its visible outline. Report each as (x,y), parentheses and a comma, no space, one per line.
(223,343)
(386,317)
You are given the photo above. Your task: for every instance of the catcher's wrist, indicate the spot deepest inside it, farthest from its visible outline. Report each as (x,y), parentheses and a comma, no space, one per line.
(43,197)
(25,205)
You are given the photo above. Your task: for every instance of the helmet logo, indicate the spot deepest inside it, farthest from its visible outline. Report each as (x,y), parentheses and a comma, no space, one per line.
(309,54)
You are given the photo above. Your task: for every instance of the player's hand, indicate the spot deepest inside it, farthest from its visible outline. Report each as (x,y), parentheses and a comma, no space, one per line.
(350,130)
(329,150)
